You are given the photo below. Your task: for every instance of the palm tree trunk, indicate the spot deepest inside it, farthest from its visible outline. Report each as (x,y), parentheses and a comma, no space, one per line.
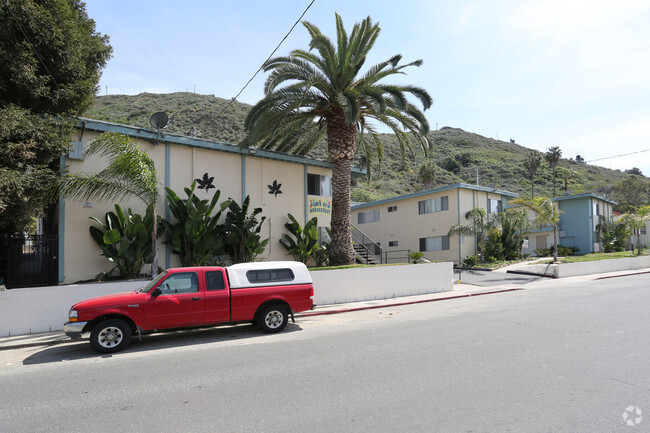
(554,178)
(341,144)
(555,243)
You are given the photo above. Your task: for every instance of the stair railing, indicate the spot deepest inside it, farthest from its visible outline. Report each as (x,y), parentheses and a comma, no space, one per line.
(371,247)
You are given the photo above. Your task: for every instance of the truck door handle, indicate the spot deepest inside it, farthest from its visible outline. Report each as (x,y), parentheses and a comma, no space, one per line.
(196,298)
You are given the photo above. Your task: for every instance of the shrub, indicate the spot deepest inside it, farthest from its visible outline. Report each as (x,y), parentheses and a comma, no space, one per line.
(470,261)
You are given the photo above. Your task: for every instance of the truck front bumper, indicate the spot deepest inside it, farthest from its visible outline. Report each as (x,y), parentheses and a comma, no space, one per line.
(73,329)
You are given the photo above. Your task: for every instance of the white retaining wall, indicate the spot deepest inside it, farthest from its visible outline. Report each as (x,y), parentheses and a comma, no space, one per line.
(587,268)
(45,309)
(381,282)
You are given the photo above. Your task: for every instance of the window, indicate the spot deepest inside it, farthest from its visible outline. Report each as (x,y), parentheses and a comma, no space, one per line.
(182,282)
(432,205)
(214,280)
(393,243)
(392,208)
(370,216)
(319,185)
(596,209)
(269,275)
(494,206)
(644,230)
(437,243)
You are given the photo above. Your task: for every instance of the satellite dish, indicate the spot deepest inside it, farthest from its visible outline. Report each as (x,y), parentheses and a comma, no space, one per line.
(158,120)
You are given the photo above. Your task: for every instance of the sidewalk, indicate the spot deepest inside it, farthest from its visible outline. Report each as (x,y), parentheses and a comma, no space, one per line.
(460,291)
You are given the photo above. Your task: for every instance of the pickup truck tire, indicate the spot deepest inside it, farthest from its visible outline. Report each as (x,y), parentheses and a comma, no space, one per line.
(109,336)
(273,318)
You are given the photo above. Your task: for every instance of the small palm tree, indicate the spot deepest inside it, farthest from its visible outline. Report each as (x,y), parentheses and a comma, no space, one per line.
(547,213)
(531,164)
(310,95)
(552,156)
(427,173)
(479,227)
(130,173)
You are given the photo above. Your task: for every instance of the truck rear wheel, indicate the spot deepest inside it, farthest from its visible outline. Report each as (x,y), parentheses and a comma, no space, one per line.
(109,336)
(273,318)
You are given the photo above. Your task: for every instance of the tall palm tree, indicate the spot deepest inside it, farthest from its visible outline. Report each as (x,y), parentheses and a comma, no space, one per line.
(130,173)
(531,164)
(311,94)
(479,227)
(552,156)
(546,213)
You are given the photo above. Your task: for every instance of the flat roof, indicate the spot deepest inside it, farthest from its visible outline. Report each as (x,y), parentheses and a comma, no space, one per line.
(585,195)
(221,146)
(436,190)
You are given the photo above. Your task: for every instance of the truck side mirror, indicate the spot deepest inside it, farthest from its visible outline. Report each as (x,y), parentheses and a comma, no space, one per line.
(156,292)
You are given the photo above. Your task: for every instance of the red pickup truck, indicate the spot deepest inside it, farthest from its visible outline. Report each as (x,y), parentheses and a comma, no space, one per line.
(266,293)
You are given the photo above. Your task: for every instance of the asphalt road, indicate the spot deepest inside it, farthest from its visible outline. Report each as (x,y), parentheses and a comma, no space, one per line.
(560,356)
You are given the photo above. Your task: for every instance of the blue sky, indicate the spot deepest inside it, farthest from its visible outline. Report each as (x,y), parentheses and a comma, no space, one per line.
(573,74)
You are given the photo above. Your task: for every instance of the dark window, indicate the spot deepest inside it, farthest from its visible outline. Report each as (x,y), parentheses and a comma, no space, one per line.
(393,243)
(214,280)
(438,243)
(269,275)
(392,208)
(319,185)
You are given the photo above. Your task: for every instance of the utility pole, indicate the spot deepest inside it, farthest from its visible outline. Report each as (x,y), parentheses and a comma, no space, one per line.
(476,176)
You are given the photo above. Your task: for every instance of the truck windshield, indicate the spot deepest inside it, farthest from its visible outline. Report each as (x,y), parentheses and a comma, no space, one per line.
(153,282)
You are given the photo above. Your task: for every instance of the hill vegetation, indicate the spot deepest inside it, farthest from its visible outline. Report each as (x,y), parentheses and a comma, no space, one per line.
(459,156)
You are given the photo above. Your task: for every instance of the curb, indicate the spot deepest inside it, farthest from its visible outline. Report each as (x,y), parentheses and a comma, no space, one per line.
(398,304)
(514,271)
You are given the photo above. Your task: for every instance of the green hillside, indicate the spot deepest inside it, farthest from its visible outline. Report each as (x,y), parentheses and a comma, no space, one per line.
(458,154)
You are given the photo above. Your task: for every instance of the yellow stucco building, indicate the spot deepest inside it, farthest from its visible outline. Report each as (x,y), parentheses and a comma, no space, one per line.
(278,183)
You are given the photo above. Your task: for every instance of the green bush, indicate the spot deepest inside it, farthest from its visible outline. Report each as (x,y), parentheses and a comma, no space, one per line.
(470,261)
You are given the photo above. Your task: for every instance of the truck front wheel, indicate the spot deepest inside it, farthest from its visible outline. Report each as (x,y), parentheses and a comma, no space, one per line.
(109,336)
(273,318)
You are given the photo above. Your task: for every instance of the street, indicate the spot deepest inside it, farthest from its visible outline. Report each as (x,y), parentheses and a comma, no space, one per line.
(559,356)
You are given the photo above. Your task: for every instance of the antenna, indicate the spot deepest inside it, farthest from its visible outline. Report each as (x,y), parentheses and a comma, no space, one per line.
(158,121)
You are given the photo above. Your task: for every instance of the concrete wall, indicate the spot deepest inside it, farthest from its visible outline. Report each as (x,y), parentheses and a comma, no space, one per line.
(45,309)
(586,268)
(362,284)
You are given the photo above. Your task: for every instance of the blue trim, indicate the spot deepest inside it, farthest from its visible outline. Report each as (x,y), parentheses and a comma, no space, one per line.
(243,178)
(436,190)
(150,135)
(306,195)
(61,252)
(168,213)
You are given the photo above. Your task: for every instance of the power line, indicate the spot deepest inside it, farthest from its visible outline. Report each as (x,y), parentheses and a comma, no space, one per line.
(270,55)
(616,156)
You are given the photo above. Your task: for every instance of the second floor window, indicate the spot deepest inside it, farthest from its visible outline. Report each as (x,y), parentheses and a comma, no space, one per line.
(432,205)
(368,217)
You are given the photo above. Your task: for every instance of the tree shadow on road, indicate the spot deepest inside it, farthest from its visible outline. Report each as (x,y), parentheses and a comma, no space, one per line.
(182,338)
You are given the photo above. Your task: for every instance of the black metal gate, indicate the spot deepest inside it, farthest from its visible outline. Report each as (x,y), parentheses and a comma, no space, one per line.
(28,260)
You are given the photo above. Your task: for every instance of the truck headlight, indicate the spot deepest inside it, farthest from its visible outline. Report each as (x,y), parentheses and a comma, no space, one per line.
(73,315)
